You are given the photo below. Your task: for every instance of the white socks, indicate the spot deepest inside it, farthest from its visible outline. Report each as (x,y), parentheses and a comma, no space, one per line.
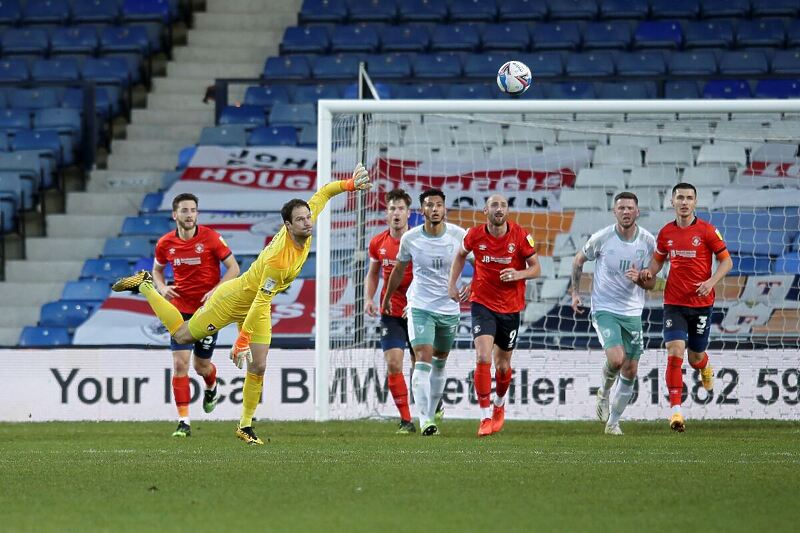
(620,400)
(609,377)
(438,379)
(421,386)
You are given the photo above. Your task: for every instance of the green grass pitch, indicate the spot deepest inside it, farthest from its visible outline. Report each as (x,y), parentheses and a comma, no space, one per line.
(360,476)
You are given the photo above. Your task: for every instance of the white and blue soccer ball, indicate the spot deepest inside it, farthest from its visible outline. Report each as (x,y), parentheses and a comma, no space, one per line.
(514,78)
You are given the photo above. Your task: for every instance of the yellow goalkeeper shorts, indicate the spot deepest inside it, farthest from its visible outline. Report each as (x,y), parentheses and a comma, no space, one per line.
(229,303)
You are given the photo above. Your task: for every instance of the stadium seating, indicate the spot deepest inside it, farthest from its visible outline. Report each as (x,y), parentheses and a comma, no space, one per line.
(63,314)
(35,336)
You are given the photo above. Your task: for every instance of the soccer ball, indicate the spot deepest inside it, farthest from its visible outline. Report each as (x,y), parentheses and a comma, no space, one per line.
(514,78)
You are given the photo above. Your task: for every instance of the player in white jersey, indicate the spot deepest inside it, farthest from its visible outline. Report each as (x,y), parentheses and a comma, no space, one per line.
(620,251)
(432,316)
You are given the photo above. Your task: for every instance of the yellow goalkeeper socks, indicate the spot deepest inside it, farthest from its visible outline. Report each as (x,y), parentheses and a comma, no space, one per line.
(251,394)
(167,313)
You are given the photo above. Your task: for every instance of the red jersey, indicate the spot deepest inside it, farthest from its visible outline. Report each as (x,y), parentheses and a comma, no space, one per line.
(493,254)
(690,251)
(383,248)
(195,264)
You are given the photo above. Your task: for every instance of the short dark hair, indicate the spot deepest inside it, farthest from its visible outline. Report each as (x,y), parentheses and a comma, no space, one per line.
(288,208)
(398,194)
(430,192)
(684,185)
(183,197)
(626,195)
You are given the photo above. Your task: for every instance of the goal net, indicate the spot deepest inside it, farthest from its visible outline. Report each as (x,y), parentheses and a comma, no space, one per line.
(560,163)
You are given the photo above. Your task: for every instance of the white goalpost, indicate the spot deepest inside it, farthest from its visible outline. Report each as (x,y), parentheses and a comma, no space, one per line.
(560,163)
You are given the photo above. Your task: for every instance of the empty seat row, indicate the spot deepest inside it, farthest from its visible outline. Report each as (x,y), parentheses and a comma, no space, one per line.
(79,40)
(30,12)
(340,11)
(521,37)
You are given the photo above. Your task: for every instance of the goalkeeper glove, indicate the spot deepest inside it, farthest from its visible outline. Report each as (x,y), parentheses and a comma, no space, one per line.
(241,350)
(359,181)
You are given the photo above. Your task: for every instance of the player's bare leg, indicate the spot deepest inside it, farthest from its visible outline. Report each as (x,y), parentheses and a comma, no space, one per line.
(251,393)
(674,379)
(398,388)
(483,381)
(614,358)
(502,379)
(181,391)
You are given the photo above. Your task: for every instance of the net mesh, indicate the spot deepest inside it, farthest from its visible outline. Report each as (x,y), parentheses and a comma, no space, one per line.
(560,172)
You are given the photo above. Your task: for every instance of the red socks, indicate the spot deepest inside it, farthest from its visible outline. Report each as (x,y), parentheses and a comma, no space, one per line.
(180,389)
(674,379)
(211,378)
(502,381)
(399,390)
(483,383)
(700,364)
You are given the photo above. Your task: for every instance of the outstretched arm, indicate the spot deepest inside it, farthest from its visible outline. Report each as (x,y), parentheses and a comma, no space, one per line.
(359,182)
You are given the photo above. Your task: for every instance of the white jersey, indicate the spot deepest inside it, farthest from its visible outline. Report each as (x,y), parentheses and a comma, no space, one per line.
(431,258)
(611,290)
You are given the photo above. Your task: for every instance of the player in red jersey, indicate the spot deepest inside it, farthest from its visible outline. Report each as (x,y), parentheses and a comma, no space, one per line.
(505,257)
(195,253)
(383,250)
(689,243)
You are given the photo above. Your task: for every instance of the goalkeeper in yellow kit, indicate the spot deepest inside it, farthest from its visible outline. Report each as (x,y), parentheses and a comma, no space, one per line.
(246,300)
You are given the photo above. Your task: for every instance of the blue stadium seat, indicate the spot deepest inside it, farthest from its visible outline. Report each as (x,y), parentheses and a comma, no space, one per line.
(95,11)
(31,41)
(305,40)
(45,142)
(329,67)
(470,91)
(788,263)
(455,37)
(743,63)
(106,101)
(10,13)
(546,64)
(674,9)
(265,96)
(11,195)
(87,290)
(45,12)
(793,34)
(307,136)
(681,90)
(63,314)
(624,9)
(231,135)
(148,226)
(27,164)
(641,63)
(556,36)
(323,11)
(708,34)
(151,202)
(522,10)
(572,9)
(755,242)
(749,265)
(34,336)
(39,98)
(509,36)
(106,269)
(473,10)
(245,114)
(571,91)
(309,94)
(486,65)
(389,66)
(56,69)
(8,214)
(273,136)
(405,38)
(437,66)
(287,68)
(658,34)
(354,38)
(734,9)
(128,247)
(117,39)
(422,10)
(74,40)
(786,62)
(729,89)
(608,34)
(693,63)
(14,69)
(372,10)
(350,91)
(627,91)
(778,89)
(106,70)
(418,91)
(296,115)
(599,63)
(763,32)
(779,8)
(23,186)
(147,10)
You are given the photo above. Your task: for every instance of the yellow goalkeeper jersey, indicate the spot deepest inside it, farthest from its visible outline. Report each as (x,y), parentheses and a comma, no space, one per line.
(280,262)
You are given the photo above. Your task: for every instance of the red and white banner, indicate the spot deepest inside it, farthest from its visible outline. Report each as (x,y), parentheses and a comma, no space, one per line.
(127,319)
(771,174)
